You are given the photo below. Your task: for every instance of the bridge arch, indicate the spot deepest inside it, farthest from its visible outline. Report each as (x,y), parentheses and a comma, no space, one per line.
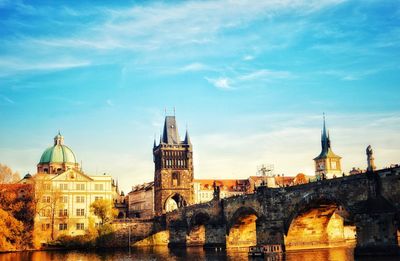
(198,219)
(174,201)
(317,219)
(197,229)
(241,227)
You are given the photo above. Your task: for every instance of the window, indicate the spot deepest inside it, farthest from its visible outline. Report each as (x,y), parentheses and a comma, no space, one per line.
(80,199)
(63,226)
(45,212)
(98,187)
(80,212)
(64,199)
(45,227)
(63,213)
(80,226)
(46,199)
(98,198)
(64,186)
(80,186)
(175,179)
(46,186)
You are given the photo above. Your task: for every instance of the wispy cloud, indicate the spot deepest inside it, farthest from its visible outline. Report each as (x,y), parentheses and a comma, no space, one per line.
(194,67)
(248,58)
(221,83)
(10,65)
(265,74)
(109,103)
(6,99)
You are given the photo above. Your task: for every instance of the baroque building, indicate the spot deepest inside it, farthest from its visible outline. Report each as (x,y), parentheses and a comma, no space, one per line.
(173,174)
(64,193)
(327,163)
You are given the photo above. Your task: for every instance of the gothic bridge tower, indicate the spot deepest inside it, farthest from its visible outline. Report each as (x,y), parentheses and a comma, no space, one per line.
(327,163)
(173,174)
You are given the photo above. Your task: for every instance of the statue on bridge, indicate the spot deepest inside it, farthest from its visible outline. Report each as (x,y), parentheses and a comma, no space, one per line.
(217,191)
(370,159)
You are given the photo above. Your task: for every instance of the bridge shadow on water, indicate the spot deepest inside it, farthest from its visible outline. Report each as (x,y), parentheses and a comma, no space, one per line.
(191,254)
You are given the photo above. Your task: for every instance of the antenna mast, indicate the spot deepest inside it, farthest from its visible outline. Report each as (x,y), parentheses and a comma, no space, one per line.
(265,171)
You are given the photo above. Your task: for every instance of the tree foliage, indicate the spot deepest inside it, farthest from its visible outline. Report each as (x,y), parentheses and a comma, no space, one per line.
(11,232)
(104,210)
(17,209)
(7,175)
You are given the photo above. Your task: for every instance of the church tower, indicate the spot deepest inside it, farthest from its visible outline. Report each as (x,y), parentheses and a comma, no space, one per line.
(327,164)
(173,174)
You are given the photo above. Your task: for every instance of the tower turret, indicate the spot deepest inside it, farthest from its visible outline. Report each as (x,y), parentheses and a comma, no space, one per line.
(327,163)
(173,174)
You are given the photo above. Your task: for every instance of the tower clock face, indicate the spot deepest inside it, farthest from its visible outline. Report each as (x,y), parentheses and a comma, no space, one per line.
(321,165)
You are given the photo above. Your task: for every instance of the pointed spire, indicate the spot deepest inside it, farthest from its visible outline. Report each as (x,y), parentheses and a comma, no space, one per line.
(170,132)
(324,136)
(187,138)
(155,144)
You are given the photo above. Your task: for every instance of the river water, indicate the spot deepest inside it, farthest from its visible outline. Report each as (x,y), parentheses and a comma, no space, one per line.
(191,254)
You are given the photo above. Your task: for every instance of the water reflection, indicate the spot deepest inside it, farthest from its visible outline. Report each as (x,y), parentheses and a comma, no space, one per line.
(192,254)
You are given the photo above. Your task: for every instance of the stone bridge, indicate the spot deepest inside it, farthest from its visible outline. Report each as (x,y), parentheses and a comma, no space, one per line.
(368,202)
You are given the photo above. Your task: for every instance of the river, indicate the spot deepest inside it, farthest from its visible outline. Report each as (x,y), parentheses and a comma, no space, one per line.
(192,254)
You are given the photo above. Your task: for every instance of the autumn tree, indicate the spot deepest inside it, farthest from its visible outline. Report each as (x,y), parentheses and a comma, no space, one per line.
(104,209)
(11,231)
(7,175)
(47,201)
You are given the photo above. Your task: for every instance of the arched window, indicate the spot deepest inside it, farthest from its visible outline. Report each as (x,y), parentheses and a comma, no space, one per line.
(176,179)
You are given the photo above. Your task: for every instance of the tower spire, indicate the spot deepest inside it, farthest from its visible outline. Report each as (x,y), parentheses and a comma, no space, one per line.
(187,138)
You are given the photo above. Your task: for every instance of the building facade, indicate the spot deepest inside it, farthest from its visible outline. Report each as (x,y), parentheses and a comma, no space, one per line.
(173,175)
(64,193)
(141,201)
(327,163)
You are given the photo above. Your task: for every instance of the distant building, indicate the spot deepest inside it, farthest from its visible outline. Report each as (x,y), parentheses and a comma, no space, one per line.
(204,188)
(173,175)
(327,163)
(64,192)
(141,201)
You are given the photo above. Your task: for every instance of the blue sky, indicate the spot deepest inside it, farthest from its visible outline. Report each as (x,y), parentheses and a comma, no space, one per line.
(250,79)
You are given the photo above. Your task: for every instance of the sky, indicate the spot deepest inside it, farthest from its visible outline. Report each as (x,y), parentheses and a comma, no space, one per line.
(250,81)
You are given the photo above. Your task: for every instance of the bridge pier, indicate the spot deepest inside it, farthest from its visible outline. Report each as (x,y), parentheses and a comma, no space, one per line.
(215,236)
(270,233)
(376,234)
(177,234)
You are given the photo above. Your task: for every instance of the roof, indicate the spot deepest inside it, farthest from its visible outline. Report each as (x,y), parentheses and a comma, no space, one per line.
(326,151)
(224,184)
(59,153)
(143,187)
(170,133)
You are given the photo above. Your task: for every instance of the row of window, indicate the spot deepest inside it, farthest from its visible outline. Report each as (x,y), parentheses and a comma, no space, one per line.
(174,153)
(80,212)
(177,163)
(64,199)
(78,186)
(64,226)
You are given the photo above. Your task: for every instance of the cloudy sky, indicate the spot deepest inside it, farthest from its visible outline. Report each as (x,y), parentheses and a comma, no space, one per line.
(249,79)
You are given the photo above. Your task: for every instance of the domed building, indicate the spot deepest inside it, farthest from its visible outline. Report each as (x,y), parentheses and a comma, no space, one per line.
(58,158)
(61,181)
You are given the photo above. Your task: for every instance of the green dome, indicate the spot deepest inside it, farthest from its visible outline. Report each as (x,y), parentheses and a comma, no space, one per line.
(59,153)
